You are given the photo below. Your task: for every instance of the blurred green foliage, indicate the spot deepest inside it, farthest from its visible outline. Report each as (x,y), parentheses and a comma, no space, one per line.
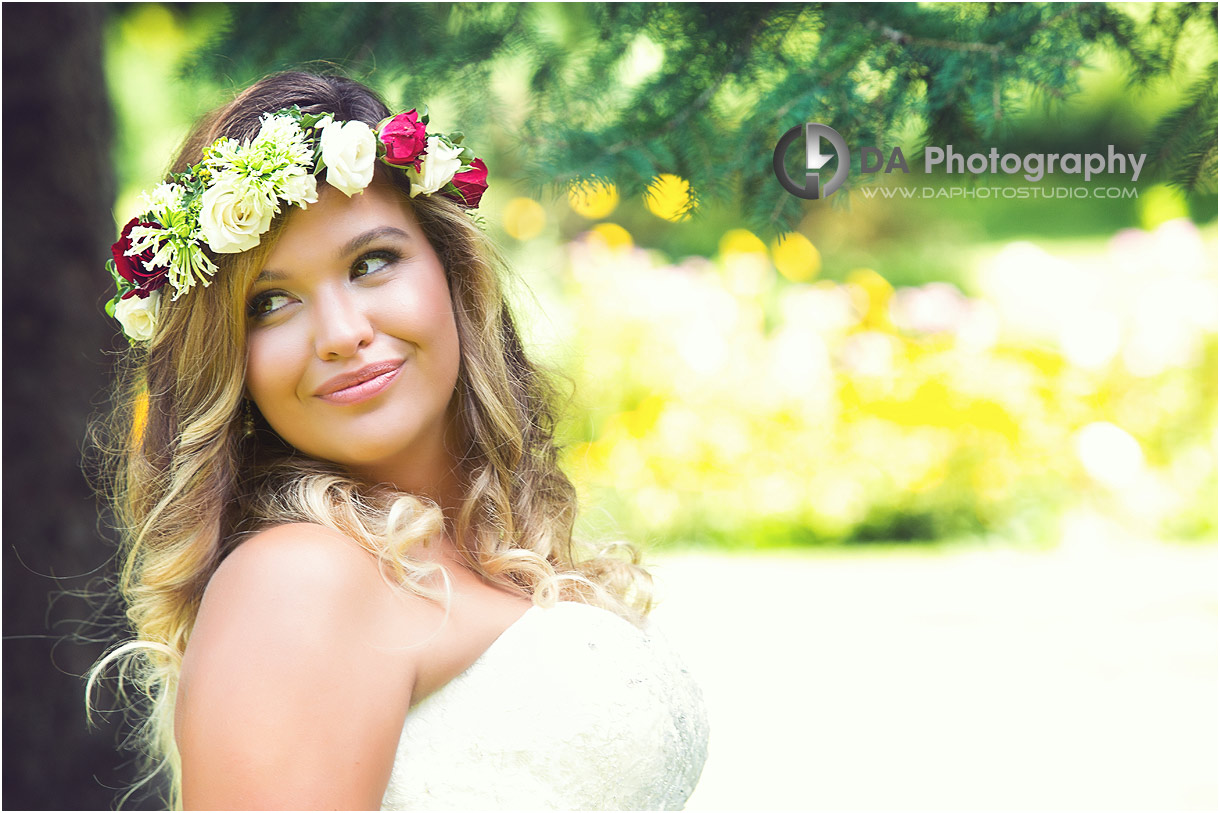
(629,91)
(923,368)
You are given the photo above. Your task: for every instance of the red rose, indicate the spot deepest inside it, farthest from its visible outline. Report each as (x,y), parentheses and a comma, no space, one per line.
(405,140)
(471,183)
(136,270)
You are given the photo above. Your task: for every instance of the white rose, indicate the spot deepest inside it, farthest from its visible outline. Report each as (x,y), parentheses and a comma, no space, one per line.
(234,216)
(441,163)
(138,316)
(348,149)
(300,190)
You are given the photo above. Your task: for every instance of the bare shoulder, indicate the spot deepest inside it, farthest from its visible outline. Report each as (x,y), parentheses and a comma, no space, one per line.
(300,661)
(296,584)
(300,591)
(298,554)
(297,549)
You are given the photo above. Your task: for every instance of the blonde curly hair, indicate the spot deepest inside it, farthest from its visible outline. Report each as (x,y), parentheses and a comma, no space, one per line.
(187,484)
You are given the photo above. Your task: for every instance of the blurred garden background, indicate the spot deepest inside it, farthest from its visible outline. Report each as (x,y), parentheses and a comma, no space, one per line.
(930,482)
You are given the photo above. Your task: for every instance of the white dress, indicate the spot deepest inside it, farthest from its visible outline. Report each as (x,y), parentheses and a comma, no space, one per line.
(571,708)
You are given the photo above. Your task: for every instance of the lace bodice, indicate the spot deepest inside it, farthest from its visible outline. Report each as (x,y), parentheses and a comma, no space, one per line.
(571,708)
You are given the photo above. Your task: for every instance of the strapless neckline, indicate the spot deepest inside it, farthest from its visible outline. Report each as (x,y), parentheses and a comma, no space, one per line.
(533,612)
(571,707)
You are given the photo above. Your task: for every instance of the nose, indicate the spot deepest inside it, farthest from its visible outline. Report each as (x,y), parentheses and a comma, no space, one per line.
(341,326)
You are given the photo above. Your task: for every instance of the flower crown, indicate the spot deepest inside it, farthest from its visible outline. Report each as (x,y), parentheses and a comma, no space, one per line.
(225,203)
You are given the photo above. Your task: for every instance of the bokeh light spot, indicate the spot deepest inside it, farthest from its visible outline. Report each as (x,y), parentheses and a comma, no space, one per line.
(1160,204)
(668,197)
(878,291)
(139,415)
(611,236)
(741,241)
(593,200)
(795,257)
(1110,455)
(524,218)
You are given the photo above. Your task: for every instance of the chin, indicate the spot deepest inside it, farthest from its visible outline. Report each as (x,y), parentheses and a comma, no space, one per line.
(403,464)
(355,456)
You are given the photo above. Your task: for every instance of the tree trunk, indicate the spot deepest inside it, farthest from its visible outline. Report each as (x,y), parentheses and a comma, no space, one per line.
(58,193)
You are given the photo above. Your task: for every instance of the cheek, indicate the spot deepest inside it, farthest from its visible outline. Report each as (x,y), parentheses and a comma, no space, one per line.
(450,357)
(271,373)
(445,337)
(423,315)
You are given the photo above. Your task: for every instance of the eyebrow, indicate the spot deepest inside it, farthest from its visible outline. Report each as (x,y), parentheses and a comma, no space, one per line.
(370,236)
(349,248)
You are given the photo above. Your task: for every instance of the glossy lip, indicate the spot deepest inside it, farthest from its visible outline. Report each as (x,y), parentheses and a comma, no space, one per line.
(352,388)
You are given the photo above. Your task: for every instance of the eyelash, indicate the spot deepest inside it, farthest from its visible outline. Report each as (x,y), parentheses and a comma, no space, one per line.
(387,255)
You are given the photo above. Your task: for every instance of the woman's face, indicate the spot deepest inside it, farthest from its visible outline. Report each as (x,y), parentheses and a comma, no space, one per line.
(353,349)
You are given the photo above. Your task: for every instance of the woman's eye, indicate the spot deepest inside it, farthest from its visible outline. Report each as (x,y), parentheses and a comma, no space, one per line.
(267,303)
(370,264)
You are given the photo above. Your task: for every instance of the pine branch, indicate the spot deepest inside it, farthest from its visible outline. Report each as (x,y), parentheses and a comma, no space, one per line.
(731,77)
(903,38)
(706,96)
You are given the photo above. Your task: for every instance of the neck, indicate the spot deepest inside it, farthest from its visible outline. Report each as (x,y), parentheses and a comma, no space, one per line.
(441,483)
(430,470)
(436,477)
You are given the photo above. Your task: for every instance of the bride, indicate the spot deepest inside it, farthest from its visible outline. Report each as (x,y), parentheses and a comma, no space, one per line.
(348,558)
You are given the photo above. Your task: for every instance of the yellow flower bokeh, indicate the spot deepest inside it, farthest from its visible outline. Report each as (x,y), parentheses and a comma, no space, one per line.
(593,200)
(795,257)
(741,241)
(524,218)
(844,409)
(669,197)
(139,415)
(611,236)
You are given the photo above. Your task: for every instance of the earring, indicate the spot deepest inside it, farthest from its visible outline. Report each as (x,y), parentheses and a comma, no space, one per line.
(247,419)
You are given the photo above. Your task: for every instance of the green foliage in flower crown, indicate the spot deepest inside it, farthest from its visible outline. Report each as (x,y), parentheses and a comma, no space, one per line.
(629,91)
(119,283)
